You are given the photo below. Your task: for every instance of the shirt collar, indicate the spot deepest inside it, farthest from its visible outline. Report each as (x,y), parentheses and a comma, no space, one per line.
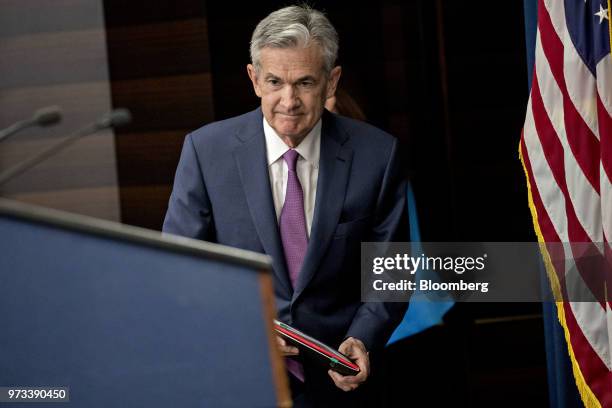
(309,148)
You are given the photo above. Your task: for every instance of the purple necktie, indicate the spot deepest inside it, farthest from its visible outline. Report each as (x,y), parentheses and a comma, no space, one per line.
(294,235)
(293,220)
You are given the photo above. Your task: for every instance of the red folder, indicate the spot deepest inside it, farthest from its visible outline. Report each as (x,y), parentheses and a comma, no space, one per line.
(325,354)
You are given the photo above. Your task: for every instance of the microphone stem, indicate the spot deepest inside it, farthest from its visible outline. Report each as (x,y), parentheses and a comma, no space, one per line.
(14,128)
(46,153)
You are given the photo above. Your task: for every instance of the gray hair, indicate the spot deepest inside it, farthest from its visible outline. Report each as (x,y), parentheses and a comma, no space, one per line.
(295,26)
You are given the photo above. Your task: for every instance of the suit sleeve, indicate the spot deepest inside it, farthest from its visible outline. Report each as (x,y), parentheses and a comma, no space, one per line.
(189,209)
(374,322)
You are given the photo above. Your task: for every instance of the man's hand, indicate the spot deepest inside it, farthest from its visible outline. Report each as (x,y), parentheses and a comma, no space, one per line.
(285,349)
(356,350)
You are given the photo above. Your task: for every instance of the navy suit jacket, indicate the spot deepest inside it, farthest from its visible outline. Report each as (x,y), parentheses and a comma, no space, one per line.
(222,194)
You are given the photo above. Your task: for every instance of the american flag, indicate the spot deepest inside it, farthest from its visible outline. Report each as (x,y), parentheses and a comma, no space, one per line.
(566,149)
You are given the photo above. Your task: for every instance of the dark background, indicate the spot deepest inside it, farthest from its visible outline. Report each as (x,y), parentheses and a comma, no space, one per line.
(448,78)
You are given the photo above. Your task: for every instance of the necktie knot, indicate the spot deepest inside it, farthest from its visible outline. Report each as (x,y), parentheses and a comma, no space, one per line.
(290,158)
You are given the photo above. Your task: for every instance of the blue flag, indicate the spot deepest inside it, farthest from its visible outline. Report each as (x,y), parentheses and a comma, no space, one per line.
(422,312)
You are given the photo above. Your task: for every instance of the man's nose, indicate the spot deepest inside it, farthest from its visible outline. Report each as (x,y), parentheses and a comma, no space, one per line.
(290,99)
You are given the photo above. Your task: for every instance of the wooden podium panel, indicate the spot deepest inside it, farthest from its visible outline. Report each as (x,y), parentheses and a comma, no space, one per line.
(127,317)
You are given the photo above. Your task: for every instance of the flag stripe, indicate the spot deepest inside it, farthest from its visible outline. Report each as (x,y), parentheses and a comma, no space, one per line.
(542,219)
(543,225)
(553,161)
(552,18)
(581,347)
(604,85)
(580,138)
(606,207)
(596,374)
(605,122)
(605,174)
(544,177)
(555,154)
(592,317)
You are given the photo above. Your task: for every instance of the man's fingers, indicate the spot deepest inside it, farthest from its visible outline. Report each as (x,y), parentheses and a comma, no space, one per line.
(285,349)
(352,348)
(290,351)
(349,380)
(355,350)
(363,362)
(352,379)
(337,377)
(359,378)
(341,382)
(344,349)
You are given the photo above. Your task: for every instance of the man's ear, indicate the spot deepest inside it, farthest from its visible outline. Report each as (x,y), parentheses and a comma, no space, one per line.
(253,75)
(332,81)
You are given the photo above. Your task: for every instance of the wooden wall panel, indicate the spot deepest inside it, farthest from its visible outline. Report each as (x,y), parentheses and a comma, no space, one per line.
(145,204)
(159,63)
(143,164)
(167,48)
(165,103)
(54,53)
(141,12)
(18,17)
(54,58)
(96,201)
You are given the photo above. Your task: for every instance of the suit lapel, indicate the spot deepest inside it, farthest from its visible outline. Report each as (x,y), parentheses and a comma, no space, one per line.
(334,168)
(250,157)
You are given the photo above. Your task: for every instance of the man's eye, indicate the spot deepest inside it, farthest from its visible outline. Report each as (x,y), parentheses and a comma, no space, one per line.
(307,83)
(273,82)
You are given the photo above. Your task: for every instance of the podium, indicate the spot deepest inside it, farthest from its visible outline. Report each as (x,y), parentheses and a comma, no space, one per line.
(124,316)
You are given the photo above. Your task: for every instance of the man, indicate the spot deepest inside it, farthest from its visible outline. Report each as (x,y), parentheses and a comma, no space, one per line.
(304,186)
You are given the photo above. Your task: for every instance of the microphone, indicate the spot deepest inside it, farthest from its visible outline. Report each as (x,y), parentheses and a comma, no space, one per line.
(47,116)
(115,118)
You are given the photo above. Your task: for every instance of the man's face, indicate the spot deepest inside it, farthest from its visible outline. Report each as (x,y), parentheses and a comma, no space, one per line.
(293,87)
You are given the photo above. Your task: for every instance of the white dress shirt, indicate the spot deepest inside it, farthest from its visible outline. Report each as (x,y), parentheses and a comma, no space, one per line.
(307,168)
